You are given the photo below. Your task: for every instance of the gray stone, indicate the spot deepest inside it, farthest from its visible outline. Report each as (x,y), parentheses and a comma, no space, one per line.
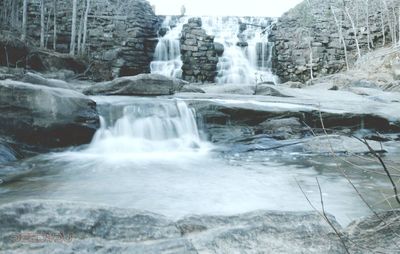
(375,234)
(7,154)
(191,89)
(219,48)
(44,116)
(37,79)
(199,54)
(65,227)
(269,90)
(143,84)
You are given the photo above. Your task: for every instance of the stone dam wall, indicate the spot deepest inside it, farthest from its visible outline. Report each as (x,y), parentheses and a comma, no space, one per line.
(122,36)
(311,31)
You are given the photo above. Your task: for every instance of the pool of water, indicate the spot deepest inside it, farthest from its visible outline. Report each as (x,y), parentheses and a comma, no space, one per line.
(169,169)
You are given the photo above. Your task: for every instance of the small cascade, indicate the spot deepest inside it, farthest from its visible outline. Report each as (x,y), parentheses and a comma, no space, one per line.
(248,53)
(147,127)
(167,57)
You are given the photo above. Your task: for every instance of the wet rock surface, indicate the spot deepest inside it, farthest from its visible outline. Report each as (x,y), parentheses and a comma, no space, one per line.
(143,84)
(63,227)
(375,233)
(43,116)
(90,228)
(291,117)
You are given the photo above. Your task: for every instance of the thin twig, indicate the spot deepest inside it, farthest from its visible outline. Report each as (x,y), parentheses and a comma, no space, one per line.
(352,184)
(323,214)
(327,219)
(396,193)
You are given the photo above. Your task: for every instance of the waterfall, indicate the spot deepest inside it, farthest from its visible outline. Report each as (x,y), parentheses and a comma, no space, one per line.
(167,56)
(248,53)
(145,126)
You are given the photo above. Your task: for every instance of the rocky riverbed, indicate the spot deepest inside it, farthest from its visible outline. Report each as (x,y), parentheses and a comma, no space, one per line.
(234,151)
(65,227)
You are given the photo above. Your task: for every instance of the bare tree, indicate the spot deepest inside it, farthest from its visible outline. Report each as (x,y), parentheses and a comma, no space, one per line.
(354,31)
(370,42)
(14,14)
(85,26)
(24,19)
(42,26)
(80,29)
(55,25)
(383,29)
(73,29)
(341,37)
(399,25)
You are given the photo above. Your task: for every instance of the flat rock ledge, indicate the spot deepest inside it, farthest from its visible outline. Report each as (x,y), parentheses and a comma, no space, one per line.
(70,227)
(140,85)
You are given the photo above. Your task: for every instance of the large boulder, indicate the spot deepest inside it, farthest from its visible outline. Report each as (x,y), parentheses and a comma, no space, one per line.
(142,84)
(43,116)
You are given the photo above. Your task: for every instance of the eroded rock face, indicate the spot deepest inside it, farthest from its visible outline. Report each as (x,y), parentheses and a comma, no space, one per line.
(143,84)
(44,116)
(100,229)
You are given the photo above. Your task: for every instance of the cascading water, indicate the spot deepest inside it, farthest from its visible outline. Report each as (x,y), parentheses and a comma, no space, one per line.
(247,54)
(167,56)
(146,128)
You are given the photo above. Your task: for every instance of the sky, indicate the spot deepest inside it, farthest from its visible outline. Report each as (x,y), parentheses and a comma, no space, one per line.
(264,8)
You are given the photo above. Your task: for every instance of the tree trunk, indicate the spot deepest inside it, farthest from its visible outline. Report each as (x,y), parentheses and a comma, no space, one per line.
(73,29)
(24,19)
(394,40)
(42,28)
(48,21)
(80,30)
(311,60)
(399,26)
(55,25)
(354,31)
(85,26)
(383,31)
(13,13)
(341,38)
(370,42)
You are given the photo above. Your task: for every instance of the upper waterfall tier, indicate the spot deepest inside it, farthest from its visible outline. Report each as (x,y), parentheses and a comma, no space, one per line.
(167,56)
(247,52)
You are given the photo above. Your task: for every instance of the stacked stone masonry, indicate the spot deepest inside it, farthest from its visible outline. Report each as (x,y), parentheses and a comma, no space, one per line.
(121,34)
(305,30)
(198,53)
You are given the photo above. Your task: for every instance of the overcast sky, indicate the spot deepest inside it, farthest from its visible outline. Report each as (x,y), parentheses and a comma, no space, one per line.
(264,8)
